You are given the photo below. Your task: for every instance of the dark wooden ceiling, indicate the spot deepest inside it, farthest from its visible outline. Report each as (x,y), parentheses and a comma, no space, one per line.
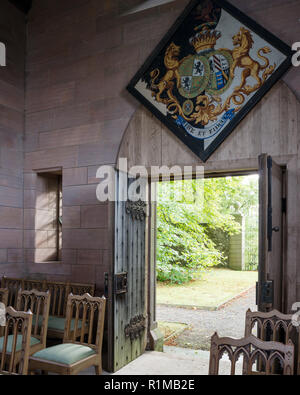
(23,5)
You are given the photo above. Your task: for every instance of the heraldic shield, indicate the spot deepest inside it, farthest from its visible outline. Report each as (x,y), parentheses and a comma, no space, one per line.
(213,66)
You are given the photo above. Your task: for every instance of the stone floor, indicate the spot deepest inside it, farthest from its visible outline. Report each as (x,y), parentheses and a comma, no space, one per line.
(193,359)
(174,361)
(171,362)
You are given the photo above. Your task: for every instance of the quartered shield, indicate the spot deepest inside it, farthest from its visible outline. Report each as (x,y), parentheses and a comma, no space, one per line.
(194,74)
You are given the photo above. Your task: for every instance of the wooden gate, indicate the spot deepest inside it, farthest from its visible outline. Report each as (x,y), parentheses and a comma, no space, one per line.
(129,274)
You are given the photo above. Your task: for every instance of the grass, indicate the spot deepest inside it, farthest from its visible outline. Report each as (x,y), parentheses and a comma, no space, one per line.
(212,290)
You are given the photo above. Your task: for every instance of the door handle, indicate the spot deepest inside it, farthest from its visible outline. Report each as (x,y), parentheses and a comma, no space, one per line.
(276,229)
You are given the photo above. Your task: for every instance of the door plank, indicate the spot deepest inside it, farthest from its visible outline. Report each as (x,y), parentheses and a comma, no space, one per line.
(270,231)
(130,258)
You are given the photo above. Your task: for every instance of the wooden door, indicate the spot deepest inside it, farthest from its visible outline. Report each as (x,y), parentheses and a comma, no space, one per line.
(129,275)
(271,234)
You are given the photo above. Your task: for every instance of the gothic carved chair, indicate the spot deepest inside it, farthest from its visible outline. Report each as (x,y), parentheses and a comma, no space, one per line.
(256,356)
(13,285)
(82,343)
(4,296)
(59,294)
(274,326)
(15,342)
(38,303)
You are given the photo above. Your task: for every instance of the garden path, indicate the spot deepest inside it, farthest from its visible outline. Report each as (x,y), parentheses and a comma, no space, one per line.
(228,321)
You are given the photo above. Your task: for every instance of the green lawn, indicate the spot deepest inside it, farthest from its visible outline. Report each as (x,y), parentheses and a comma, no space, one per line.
(213,289)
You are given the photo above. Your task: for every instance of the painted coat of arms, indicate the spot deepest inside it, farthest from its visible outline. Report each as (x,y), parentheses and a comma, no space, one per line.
(208,72)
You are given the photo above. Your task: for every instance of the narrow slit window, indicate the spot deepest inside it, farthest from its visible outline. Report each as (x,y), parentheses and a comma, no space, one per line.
(48,218)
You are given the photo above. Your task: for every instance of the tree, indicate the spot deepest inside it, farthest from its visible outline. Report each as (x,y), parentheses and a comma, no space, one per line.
(184,244)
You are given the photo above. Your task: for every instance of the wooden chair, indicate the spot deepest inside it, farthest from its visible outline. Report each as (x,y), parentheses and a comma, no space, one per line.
(15,341)
(274,326)
(13,285)
(254,352)
(38,303)
(80,349)
(4,296)
(59,295)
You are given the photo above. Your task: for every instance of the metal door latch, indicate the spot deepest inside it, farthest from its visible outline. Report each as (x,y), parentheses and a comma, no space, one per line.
(267,292)
(121,283)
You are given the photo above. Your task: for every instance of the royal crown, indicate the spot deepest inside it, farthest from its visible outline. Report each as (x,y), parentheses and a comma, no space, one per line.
(205,39)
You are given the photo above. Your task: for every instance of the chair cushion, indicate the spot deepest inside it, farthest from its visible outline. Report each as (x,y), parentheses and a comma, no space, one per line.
(33,341)
(66,354)
(57,323)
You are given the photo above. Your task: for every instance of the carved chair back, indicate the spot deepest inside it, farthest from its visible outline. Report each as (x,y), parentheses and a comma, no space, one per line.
(59,295)
(17,331)
(253,352)
(82,289)
(38,285)
(274,326)
(39,304)
(59,291)
(85,321)
(4,296)
(13,285)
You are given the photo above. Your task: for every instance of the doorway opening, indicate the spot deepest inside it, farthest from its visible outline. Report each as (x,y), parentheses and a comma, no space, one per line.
(207,254)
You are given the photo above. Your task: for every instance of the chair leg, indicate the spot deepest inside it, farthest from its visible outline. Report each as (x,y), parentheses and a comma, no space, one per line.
(98,370)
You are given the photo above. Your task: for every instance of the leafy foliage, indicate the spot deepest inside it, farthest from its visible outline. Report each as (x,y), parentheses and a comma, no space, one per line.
(188,213)
(251,240)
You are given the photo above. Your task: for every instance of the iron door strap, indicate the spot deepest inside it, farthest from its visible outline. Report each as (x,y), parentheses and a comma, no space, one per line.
(136,327)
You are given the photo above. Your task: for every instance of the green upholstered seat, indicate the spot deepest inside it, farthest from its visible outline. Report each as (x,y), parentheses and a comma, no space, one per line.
(33,341)
(57,323)
(66,354)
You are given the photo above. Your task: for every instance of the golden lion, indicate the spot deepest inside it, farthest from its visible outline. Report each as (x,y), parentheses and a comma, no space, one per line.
(241,58)
(166,83)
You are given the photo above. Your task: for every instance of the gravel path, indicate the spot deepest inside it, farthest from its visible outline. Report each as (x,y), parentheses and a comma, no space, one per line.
(229,321)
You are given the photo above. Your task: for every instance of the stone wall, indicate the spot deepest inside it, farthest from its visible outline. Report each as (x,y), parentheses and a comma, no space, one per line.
(12,34)
(80,56)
